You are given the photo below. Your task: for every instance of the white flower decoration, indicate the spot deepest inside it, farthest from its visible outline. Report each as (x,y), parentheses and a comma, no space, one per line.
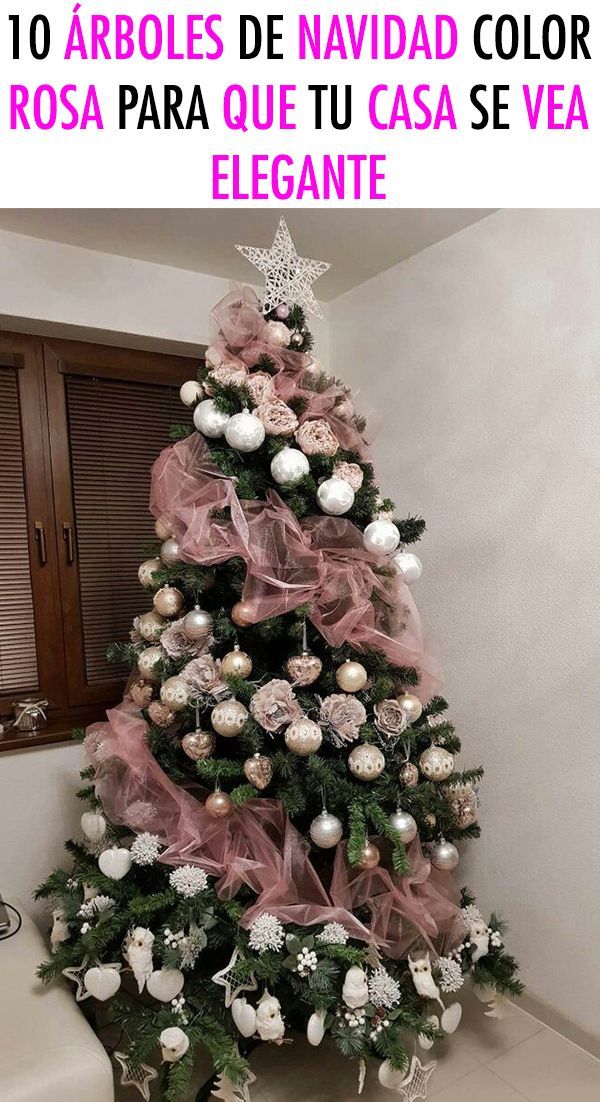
(145,848)
(333,934)
(188,881)
(451,974)
(266,932)
(383,988)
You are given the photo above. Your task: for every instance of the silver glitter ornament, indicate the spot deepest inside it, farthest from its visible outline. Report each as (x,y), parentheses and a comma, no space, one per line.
(366,762)
(245,432)
(209,420)
(289,466)
(326,830)
(303,736)
(436,763)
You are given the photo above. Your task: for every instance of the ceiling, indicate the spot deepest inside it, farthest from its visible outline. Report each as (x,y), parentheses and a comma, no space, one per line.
(358,243)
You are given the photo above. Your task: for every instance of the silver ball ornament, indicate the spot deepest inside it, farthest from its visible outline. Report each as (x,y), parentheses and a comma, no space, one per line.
(190,392)
(289,467)
(351,676)
(436,763)
(147,570)
(169,551)
(209,420)
(408,565)
(197,624)
(168,601)
(151,626)
(404,824)
(303,736)
(411,706)
(245,432)
(335,496)
(228,718)
(381,537)
(443,855)
(148,661)
(175,693)
(326,830)
(366,762)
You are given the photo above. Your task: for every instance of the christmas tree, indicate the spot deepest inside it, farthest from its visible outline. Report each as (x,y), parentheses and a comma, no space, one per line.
(274,807)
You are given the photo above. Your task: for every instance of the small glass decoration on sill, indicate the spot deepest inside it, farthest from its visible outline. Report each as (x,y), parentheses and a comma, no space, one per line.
(30,715)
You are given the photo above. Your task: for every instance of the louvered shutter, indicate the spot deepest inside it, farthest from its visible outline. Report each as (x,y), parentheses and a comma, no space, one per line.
(18,662)
(116,431)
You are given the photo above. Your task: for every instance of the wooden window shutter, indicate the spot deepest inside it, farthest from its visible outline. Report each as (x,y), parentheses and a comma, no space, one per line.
(18,661)
(116,430)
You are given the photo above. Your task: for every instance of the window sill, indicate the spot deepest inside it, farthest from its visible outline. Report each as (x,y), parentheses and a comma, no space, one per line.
(57,731)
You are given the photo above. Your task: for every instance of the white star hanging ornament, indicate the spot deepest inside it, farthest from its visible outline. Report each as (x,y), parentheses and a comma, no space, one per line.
(415,1084)
(288,277)
(233,1092)
(139,1076)
(226,978)
(76,974)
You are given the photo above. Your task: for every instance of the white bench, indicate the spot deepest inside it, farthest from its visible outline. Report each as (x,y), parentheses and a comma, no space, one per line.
(48,1052)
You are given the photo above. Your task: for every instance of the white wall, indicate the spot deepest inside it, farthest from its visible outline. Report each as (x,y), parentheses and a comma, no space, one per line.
(484,354)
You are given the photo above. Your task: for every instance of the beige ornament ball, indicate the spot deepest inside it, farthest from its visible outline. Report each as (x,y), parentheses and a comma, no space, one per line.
(258,770)
(228,718)
(147,570)
(304,668)
(169,552)
(303,737)
(366,762)
(198,624)
(151,626)
(219,805)
(148,661)
(443,855)
(436,763)
(236,663)
(168,601)
(408,775)
(326,830)
(241,614)
(174,692)
(163,529)
(411,706)
(351,676)
(198,745)
(369,856)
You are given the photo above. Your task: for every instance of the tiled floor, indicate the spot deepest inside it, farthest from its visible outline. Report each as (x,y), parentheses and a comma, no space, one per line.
(514,1060)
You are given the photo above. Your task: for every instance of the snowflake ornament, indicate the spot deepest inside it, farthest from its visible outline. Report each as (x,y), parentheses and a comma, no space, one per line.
(266,932)
(451,974)
(145,848)
(383,989)
(188,881)
(288,277)
(471,915)
(333,934)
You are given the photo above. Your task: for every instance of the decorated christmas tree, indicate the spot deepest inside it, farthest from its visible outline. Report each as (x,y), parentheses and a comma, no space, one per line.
(275,810)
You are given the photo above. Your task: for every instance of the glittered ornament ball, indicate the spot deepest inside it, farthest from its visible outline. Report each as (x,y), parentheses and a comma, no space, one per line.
(443,855)
(241,614)
(148,660)
(326,830)
(303,736)
(228,718)
(147,570)
(436,763)
(351,676)
(209,420)
(411,706)
(335,497)
(289,466)
(304,668)
(174,692)
(408,775)
(244,432)
(258,770)
(197,624)
(151,626)
(169,552)
(236,663)
(369,856)
(168,601)
(366,762)
(404,824)
(219,805)
(198,745)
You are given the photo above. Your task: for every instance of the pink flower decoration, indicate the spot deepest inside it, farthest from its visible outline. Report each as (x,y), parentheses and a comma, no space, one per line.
(277,418)
(260,386)
(275,705)
(228,374)
(344,714)
(317,438)
(351,473)
(160,714)
(389,718)
(176,643)
(203,675)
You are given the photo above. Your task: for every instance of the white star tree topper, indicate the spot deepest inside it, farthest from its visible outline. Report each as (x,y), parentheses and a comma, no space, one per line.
(288,277)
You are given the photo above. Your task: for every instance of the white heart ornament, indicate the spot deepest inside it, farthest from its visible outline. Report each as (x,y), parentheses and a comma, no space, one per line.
(93,825)
(451,1017)
(115,863)
(315,1030)
(165,984)
(424,1041)
(244,1017)
(102,982)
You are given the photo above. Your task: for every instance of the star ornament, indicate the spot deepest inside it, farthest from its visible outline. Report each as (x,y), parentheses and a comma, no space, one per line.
(76,974)
(139,1076)
(414,1085)
(226,978)
(288,277)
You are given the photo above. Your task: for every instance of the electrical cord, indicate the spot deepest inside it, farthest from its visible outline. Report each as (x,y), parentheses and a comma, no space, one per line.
(11,933)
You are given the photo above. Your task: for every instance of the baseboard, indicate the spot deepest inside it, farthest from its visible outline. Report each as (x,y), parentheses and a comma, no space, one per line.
(590,1042)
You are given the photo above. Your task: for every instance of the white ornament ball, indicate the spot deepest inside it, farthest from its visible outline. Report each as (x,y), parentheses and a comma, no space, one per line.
(169,552)
(278,333)
(102,982)
(147,570)
(335,496)
(190,392)
(436,763)
(115,862)
(197,624)
(289,467)
(228,718)
(411,706)
(408,565)
(326,830)
(209,420)
(351,676)
(174,1044)
(93,825)
(148,661)
(444,855)
(245,432)
(151,626)
(175,693)
(381,537)
(366,762)
(404,823)
(303,736)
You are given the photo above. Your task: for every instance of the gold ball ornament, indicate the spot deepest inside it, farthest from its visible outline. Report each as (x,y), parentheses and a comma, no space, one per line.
(408,775)
(443,855)
(147,570)
(228,718)
(169,552)
(303,736)
(168,601)
(366,762)
(175,693)
(304,668)
(436,763)
(163,529)
(241,614)
(351,676)
(258,770)
(219,805)
(369,856)
(148,661)
(151,626)
(236,663)
(411,706)
(197,624)
(198,745)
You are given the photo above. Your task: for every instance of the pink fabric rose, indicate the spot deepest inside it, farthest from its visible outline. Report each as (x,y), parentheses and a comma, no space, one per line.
(350,473)
(389,718)
(228,374)
(203,675)
(344,714)
(275,705)
(160,714)
(316,438)
(260,386)
(176,643)
(277,418)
